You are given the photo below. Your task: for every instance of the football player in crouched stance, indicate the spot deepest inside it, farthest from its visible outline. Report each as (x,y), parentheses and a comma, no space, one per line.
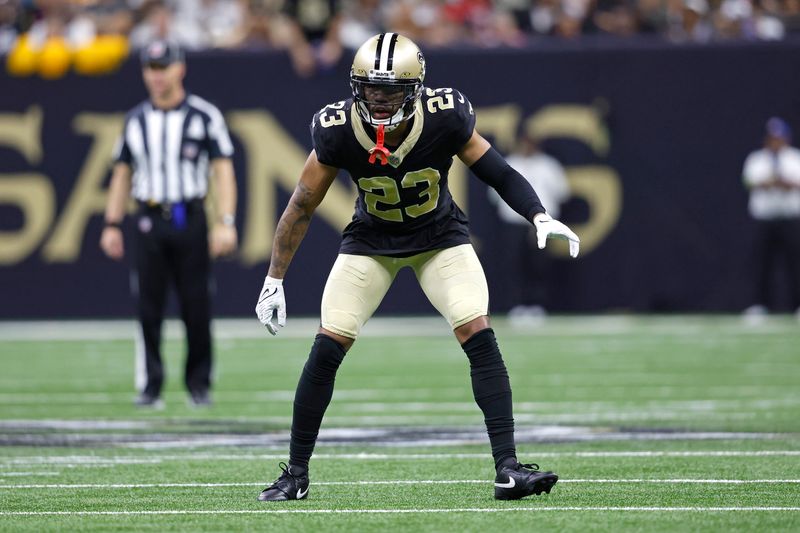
(397,139)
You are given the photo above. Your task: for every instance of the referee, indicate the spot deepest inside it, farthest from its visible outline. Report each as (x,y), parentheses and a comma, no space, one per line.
(169,146)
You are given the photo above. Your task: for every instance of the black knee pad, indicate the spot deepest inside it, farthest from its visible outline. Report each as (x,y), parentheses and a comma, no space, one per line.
(488,371)
(482,350)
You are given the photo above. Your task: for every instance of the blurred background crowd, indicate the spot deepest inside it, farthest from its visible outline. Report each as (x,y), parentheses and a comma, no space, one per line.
(95,35)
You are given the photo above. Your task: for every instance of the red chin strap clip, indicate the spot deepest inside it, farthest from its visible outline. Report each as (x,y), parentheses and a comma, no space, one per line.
(379,150)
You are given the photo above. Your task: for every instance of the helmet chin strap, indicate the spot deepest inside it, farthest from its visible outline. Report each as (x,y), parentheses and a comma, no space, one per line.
(379,151)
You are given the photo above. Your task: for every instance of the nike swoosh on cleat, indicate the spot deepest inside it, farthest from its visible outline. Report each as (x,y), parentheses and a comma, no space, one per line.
(301,493)
(510,485)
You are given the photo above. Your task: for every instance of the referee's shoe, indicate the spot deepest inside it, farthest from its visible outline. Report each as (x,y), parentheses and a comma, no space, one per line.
(291,485)
(515,481)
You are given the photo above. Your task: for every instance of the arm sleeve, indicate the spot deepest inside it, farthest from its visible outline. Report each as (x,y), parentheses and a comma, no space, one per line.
(512,187)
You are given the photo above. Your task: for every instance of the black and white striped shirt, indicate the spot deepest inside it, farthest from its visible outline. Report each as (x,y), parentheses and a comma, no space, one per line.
(170,150)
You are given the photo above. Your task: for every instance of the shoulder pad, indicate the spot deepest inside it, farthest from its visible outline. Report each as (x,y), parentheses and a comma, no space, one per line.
(327,130)
(446,99)
(452,112)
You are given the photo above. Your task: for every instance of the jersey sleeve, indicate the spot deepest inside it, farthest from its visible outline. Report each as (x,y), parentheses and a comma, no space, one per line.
(460,120)
(122,150)
(325,138)
(219,139)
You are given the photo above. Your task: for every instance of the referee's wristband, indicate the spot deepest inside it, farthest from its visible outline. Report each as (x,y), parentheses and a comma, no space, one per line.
(228,219)
(117,225)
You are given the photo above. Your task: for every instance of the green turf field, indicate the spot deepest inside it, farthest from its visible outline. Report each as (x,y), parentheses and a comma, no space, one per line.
(674,424)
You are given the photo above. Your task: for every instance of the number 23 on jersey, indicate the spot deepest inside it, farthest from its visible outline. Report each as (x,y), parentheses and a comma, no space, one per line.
(383,190)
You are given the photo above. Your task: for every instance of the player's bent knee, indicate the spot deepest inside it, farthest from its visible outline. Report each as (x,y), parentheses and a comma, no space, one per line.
(470,328)
(341,323)
(345,342)
(466,302)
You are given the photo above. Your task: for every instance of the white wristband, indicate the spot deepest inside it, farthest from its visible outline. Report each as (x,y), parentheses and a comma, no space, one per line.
(274,281)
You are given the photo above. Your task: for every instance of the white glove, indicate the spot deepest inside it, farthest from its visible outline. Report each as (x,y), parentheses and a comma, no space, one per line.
(549,227)
(270,302)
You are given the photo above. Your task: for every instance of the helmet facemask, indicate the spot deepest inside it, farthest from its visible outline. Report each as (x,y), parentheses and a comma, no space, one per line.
(393,100)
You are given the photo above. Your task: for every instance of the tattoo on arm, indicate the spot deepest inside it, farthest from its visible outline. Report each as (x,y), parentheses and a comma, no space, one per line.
(291,230)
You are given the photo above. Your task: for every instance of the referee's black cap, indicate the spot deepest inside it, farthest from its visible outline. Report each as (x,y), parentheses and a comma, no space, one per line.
(161,53)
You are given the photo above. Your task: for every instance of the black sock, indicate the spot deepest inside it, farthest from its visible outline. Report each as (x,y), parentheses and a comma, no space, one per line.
(297,470)
(314,392)
(492,392)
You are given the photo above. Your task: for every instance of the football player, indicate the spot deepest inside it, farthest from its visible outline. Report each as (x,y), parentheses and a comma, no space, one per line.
(396,138)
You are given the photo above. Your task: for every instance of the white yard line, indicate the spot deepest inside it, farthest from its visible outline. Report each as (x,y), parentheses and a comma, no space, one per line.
(398,511)
(158,458)
(385,482)
(28,474)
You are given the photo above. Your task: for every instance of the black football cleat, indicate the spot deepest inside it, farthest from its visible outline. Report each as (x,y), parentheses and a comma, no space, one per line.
(149,401)
(291,485)
(517,480)
(200,398)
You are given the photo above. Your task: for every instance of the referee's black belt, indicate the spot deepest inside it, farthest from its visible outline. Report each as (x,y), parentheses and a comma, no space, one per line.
(165,209)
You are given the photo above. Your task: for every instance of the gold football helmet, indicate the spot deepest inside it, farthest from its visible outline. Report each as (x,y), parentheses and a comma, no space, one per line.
(386,79)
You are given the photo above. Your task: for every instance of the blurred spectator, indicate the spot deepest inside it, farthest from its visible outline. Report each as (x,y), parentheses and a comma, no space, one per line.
(570,18)
(156,23)
(315,32)
(767,20)
(772,174)
(616,17)
(790,14)
(542,16)
(360,20)
(734,19)
(496,27)
(652,16)
(218,21)
(688,21)
(8,18)
(260,26)
(562,18)
(424,22)
(528,268)
(194,24)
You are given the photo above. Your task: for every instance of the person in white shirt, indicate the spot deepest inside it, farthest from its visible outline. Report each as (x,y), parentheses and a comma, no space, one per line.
(528,266)
(772,175)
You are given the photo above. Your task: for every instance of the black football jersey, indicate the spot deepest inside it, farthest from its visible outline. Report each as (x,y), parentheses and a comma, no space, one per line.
(403,207)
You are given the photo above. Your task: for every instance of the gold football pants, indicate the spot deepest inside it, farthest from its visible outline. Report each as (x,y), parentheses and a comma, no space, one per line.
(452,279)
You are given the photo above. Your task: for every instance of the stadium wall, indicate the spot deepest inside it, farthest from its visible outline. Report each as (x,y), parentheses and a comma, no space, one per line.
(653,137)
